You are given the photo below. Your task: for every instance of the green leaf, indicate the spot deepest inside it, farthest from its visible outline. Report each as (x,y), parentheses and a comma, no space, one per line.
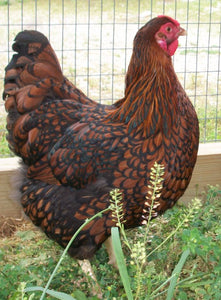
(121,262)
(57,295)
(79,295)
(176,273)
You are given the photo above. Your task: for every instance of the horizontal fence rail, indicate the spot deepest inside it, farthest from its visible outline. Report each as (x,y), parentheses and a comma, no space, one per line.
(93,41)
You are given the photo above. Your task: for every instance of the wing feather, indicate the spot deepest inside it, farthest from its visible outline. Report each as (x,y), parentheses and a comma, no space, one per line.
(87,151)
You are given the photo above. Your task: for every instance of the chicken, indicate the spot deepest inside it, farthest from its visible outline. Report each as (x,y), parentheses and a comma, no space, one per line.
(74,150)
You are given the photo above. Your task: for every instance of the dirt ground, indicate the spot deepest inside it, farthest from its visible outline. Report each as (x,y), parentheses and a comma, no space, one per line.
(8,226)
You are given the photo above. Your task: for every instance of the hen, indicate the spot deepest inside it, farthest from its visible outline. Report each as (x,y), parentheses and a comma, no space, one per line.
(75,151)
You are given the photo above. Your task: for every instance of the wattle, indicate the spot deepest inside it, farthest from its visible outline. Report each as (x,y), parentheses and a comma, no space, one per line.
(171,48)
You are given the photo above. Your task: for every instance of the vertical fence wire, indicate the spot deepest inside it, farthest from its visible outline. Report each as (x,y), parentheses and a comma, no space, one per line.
(100,45)
(36,14)
(88,46)
(126,31)
(62,35)
(8,31)
(218,105)
(75,42)
(207,74)
(113,51)
(94,39)
(22,13)
(197,52)
(49,19)
(185,60)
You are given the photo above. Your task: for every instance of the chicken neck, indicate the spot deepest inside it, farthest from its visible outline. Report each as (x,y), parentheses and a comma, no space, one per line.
(150,102)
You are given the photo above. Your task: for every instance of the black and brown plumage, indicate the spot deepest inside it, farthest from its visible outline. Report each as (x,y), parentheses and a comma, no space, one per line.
(75,150)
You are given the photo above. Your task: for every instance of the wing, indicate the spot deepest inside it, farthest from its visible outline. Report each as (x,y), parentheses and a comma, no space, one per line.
(35,133)
(86,151)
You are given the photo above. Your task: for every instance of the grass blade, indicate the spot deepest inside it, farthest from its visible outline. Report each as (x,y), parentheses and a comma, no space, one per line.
(121,262)
(55,294)
(176,273)
(67,247)
(153,295)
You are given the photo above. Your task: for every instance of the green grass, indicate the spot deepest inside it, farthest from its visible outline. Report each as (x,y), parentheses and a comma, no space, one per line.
(4,150)
(27,259)
(209,123)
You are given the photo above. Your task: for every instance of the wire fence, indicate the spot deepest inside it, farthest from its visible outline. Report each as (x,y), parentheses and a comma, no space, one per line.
(93,40)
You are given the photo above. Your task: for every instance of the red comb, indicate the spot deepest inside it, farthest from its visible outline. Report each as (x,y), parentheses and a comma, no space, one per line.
(172,20)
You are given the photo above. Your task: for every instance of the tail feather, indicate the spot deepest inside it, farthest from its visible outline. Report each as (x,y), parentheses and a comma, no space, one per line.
(33,82)
(35,46)
(34,73)
(29,73)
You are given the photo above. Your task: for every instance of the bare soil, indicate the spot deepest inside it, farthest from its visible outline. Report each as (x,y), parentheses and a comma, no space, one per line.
(8,226)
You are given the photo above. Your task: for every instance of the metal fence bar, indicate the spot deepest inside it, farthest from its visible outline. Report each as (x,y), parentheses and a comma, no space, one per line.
(207,75)
(218,105)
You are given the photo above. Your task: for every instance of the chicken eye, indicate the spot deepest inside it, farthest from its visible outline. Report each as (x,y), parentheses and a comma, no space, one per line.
(168,29)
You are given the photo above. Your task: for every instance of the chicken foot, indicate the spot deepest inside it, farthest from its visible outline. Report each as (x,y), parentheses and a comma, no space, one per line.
(87,269)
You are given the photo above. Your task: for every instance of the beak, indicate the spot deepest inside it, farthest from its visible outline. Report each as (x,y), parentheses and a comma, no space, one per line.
(182,32)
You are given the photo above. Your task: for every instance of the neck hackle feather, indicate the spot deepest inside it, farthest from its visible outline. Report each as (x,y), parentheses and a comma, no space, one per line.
(150,100)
